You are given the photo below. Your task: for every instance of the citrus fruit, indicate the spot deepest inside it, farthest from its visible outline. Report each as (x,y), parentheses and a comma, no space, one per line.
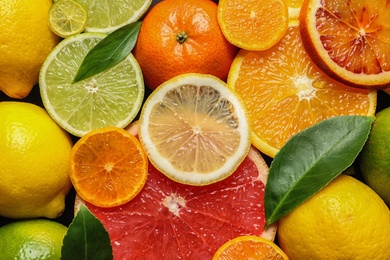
(344,220)
(249,247)
(110,98)
(284,92)
(252,25)
(349,40)
(374,159)
(67,18)
(33,162)
(24,31)
(182,36)
(194,129)
(108,167)
(169,220)
(106,16)
(294,9)
(32,239)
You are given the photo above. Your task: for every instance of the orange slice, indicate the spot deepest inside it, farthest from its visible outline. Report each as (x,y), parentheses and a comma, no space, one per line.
(194,129)
(349,40)
(284,92)
(253,24)
(249,247)
(108,167)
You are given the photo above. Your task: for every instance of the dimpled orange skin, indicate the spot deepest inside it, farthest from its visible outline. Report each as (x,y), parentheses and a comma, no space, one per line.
(160,54)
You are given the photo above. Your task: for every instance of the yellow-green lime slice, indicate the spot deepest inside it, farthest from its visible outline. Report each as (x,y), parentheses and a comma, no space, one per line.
(110,98)
(106,16)
(67,18)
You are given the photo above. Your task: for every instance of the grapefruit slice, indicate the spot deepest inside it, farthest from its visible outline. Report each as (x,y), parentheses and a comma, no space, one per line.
(170,220)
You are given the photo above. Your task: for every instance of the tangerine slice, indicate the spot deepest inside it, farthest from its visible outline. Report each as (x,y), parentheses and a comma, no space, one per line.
(108,167)
(194,129)
(284,92)
(349,40)
(253,24)
(249,247)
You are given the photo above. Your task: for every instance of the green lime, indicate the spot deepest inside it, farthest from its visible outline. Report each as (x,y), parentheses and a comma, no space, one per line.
(67,18)
(32,239)
(106,16)
(110,98)
(374,160)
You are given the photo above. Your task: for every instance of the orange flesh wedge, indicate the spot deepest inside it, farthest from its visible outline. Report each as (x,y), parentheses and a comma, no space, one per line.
(108,167)
(349,40)
(249,247)
(284,93)
(253,24)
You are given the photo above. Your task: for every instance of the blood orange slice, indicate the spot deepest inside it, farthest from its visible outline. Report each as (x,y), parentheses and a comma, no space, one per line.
(169,220)
(349,40)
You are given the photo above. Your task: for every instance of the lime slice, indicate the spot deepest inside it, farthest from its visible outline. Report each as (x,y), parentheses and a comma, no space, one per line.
(106,16)
(67,18)
(110,98)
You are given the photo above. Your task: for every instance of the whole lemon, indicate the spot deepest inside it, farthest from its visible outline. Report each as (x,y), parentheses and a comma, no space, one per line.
(33,163)
(374,160)
(32,239)
(344,220)
(25,42)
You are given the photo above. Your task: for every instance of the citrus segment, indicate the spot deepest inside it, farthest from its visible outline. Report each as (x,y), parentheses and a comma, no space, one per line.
(110,98)
(67,18)
(195,129)
(182,36)
(249,247)
(284,92)
(169,220)
(106,16)
(349,40)
(251,24)
(108,167)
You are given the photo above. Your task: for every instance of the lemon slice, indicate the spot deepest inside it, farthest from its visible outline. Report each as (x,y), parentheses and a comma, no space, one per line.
(106,16)
(195,129)
(110,98)
(67,18)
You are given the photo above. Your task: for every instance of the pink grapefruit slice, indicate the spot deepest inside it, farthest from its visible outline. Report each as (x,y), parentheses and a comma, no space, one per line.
(170,220)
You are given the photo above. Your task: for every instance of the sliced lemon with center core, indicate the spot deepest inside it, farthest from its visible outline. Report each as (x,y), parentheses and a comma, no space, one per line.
(195,129)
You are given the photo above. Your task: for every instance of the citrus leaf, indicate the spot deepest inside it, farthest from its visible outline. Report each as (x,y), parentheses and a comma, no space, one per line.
(86,238)
(109,51)
(310,160)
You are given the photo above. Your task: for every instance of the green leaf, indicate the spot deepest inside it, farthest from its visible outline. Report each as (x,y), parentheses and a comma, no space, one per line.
(86,238)
(109,52)
(310,160)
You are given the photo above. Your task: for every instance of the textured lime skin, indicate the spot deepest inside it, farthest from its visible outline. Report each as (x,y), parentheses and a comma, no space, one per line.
(374,160)
(32,239)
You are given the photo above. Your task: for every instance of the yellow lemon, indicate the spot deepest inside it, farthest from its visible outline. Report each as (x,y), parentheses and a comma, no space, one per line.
(33,162)
(345,220)
(25,42)
(32,239)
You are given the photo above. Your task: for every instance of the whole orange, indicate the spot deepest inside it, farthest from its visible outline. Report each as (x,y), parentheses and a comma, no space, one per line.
(182,36)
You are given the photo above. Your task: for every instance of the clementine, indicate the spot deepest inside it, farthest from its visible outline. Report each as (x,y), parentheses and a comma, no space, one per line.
(182,36)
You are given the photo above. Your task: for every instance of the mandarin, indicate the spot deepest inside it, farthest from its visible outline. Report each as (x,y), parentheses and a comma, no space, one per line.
(178,37)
